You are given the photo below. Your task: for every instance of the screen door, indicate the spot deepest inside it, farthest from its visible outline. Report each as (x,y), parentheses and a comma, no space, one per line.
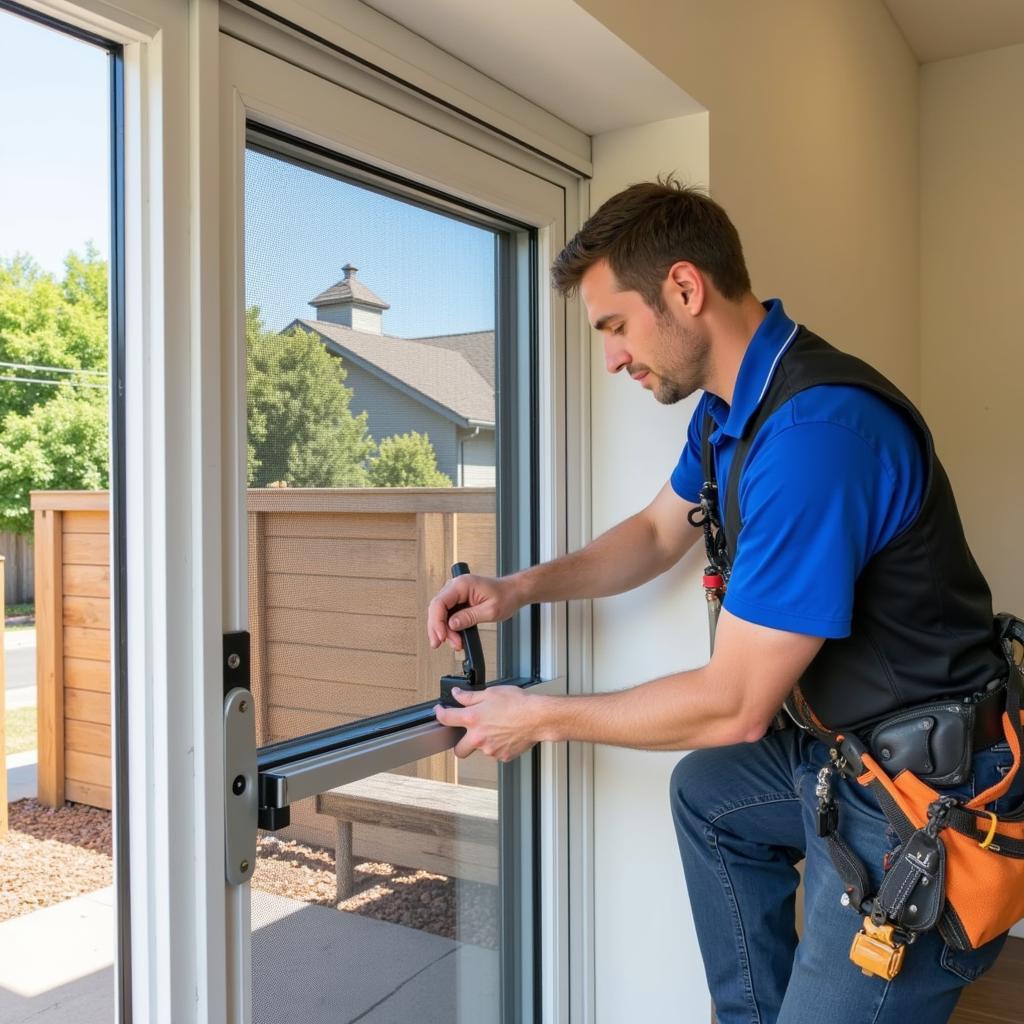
(383,389)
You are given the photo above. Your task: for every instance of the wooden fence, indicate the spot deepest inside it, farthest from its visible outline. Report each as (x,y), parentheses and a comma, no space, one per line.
(19,587)
(72,554)
(339,582)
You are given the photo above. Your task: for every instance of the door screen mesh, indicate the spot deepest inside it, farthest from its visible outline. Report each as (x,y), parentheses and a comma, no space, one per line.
(371,373)
(371,384)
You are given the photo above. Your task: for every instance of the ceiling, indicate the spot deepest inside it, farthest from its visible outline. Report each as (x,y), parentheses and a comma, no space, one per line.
(937,29)
(559,57)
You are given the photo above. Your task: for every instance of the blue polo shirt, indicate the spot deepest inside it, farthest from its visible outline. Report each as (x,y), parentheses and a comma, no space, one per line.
(834,474)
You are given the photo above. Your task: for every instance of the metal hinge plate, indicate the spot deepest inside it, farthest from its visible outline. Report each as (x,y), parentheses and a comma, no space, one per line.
(240,790)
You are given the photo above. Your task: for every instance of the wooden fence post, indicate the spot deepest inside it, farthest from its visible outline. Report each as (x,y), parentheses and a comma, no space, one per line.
(50,655)
(3,707)
(258,623)
(435,548)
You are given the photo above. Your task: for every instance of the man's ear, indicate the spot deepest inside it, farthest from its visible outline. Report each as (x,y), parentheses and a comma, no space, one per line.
(684,288)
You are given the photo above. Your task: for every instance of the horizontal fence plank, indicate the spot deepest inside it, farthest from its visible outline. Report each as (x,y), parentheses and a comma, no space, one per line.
(331,663)
(340,629)
(338,594)
(85,793)
(318,695)
(376,559)
(93,612)
(87,674)
(476,543)
(80,642)
(477,770)
(339,525)
(87,737)
(86,549)
(287,723)
(86,581)
(86,706)
(90,768)
(371,499)
(70,500)
(85,522)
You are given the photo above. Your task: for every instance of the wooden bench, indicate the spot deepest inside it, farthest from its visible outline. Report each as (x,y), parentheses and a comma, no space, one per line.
(452,813)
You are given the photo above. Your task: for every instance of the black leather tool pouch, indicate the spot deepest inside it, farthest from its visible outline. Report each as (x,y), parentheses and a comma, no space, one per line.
(934,741)
(914,889)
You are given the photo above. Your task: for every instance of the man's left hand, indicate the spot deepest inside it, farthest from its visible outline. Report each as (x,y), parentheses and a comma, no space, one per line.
(500,721)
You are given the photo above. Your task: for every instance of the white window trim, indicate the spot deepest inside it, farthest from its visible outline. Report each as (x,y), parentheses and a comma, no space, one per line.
(377,41)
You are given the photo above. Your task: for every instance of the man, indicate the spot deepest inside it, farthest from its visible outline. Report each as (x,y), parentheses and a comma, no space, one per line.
(848,574)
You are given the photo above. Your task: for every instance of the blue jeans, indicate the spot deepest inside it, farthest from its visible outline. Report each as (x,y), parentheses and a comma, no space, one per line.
(745,817)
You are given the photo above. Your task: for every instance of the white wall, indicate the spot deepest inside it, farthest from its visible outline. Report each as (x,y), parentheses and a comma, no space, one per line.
(972,262)
(648,965)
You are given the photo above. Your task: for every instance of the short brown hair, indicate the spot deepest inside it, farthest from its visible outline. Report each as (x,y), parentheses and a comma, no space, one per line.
(646,228)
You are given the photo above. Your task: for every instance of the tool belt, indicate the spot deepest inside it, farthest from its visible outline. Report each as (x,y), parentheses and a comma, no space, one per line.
(958,867)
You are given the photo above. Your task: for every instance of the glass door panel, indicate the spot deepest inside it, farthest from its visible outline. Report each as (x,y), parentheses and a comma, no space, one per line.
(381,903)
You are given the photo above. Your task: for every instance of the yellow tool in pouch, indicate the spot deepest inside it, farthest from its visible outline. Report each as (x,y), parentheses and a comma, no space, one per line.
(875,951)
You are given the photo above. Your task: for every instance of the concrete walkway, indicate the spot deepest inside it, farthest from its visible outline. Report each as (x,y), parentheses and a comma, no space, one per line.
(20,665)
(310,964)
(21,776)
(57,963)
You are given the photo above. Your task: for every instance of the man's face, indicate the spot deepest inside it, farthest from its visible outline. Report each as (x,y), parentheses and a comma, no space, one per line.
(655,348)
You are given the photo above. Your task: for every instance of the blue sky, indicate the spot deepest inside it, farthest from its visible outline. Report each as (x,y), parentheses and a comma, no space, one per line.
(54,161)
(302,227)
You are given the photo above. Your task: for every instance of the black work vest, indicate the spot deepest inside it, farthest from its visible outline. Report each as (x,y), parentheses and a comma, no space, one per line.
(922,612)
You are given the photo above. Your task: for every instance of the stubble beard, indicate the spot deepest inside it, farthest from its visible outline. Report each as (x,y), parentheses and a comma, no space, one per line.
(686,360)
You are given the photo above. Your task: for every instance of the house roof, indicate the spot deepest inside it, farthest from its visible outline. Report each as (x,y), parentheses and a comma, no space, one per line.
(436,371)
(477,348)
(349,289)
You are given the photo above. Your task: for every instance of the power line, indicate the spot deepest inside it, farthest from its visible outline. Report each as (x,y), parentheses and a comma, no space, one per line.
(56,383)
(53,369)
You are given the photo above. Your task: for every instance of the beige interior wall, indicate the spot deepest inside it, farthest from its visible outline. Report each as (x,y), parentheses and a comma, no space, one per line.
(813,120)
(972,261)
(811,144)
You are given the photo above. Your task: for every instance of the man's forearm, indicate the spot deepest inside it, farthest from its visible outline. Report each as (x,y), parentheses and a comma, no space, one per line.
(619,560)
(677,712)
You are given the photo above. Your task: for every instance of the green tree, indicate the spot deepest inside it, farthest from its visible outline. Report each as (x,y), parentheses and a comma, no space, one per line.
(301,428)
(53,425)
(61,444)
(45,323)
(407,460)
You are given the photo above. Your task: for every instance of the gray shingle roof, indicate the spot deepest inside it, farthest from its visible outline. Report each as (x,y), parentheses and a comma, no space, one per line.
(476,348)
(349,289)
(438,372)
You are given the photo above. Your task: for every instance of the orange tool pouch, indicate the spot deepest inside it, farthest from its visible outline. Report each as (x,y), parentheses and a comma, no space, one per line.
(959,867)
(984,854)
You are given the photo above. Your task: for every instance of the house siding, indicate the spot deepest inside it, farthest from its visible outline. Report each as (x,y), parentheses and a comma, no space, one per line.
(478,460)
(391,412)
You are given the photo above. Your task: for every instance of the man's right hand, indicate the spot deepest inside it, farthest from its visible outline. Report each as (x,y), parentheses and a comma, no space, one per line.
(488,599)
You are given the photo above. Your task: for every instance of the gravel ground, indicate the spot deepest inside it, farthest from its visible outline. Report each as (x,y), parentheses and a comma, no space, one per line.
(50,856)
(453,908)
